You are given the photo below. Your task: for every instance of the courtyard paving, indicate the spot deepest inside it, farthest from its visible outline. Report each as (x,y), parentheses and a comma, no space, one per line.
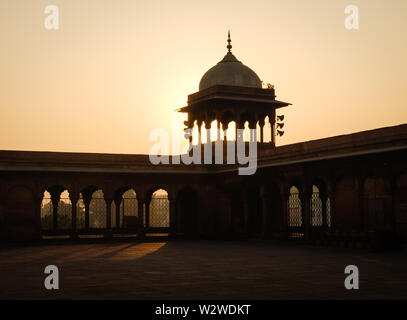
(198,270)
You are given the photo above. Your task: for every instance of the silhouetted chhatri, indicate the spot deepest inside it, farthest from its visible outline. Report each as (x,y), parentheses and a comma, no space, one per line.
(348,190)
(232,92)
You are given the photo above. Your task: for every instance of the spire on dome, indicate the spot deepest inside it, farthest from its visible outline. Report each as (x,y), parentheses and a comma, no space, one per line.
(229,46)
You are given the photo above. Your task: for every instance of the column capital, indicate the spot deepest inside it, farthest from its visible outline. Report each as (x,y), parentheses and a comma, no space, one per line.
(252,124)
(74,194)
(240,124)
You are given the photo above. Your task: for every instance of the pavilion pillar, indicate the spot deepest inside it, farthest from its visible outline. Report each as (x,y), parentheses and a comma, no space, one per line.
(199,146)
(219,145)
(191,137)
(225,127)
(188,134)
(239,138)
(272,120)
(253,132)
(273,135)
(217,130)
(225,140)
(236,138)
(189,126)
(261,124)
(199,123)
(208,145)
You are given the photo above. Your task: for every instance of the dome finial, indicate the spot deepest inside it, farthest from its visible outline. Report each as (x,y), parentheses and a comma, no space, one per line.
(229,46)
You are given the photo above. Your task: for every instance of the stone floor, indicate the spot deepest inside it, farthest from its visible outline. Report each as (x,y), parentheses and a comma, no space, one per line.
(198,270)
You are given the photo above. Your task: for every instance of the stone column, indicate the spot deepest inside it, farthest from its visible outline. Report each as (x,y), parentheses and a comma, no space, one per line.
(253,134)
(239,139)
(261,124)
(173,217)
(140,213)
(86,200)
(189,126)
(208,135)
(188,135)
(199,123)
(324,219)
(264,196)
(225,127)
(55,196)
(37,202)
(331,195)
(74,200)
(208,145)
(272,120)
(333,213)
(219,145)
(117,202)
(306,210)
(108,233)
(284,199)
(147,206)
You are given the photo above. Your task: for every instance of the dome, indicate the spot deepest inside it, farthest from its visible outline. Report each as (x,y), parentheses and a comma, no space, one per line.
(230,72)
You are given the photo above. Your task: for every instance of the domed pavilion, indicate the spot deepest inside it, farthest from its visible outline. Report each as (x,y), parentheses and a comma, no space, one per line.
(231,91)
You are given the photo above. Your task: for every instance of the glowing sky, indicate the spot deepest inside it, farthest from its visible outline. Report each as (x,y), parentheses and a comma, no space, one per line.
(116,69)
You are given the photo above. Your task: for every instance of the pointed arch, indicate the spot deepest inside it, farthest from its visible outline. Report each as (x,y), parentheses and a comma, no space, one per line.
(97,210)
(294,208)
(157,216)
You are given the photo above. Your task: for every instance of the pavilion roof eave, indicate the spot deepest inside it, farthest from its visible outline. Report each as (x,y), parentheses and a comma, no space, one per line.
(275,103)
(183,109)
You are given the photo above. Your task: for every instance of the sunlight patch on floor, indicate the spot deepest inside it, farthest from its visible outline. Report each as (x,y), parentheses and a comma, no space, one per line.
(137,251)
(92,251)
